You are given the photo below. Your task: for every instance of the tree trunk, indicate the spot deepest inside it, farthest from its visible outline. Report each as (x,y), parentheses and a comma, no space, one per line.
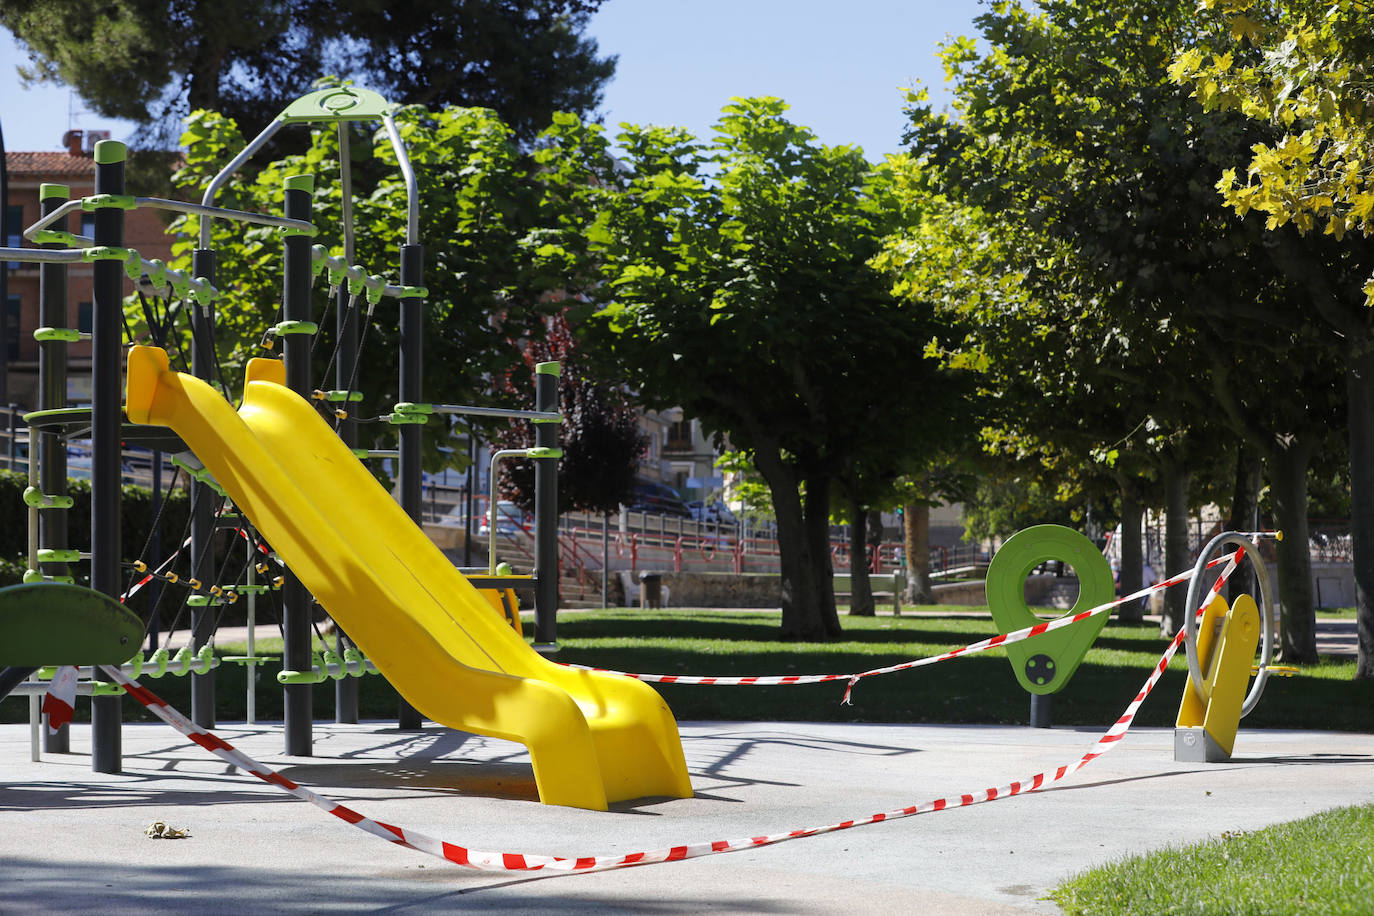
(1177,557)
(203,86)
(860,588)
(1244,514)
(1360,385)
(822,573)
(1288,480)
(1132,517)
(916,536)
(805,594)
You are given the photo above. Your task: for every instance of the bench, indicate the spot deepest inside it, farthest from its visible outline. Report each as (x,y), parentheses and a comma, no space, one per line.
(884,586)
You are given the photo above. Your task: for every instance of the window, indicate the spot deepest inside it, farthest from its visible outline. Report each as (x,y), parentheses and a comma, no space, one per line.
(13,310)
(84,322)
(14,230)
(680,436)
(88,225)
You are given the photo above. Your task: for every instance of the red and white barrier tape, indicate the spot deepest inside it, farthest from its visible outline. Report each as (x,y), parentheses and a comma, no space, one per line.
(510,861)
(148,577)
(990,643)
(163,567)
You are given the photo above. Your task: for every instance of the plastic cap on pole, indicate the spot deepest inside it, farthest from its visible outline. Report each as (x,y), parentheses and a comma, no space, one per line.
(109,151)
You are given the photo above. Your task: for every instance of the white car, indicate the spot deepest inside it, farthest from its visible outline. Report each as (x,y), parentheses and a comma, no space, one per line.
(712,512)
(510,521)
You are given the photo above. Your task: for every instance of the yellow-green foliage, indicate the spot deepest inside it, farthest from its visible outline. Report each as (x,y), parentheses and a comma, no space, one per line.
(1305,66)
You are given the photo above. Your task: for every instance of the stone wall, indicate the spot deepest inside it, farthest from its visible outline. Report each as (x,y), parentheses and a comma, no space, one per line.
(689,589)
(763,590)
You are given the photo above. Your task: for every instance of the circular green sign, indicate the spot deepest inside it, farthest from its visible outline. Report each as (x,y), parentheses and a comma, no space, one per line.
(1044,663)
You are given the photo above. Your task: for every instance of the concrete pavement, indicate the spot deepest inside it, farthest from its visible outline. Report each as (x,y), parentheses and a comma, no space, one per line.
(70,838)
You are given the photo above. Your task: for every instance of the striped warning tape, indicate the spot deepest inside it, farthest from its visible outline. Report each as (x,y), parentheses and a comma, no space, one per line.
(150,575)
(990,643)
(510,861)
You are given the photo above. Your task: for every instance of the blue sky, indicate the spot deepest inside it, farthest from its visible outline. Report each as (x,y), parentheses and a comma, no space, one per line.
(839,64)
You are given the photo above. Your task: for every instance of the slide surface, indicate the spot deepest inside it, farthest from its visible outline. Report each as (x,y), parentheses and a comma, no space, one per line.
(593,738)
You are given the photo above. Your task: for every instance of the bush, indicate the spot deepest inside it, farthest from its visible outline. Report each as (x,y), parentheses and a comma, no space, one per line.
(136,521)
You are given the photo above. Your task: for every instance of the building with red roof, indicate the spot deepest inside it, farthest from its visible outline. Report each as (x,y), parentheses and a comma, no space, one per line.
(144,230)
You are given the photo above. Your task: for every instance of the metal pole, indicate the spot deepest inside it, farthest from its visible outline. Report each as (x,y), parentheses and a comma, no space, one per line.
(412,356)
(467,498)
(5,295)
(203,498)
(251,692)
(546,513)
(52,394)
(155,549)
(346,326)
(106,428)
(296,348)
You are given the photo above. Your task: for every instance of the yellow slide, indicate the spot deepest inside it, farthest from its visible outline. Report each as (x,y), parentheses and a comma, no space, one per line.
(593,738)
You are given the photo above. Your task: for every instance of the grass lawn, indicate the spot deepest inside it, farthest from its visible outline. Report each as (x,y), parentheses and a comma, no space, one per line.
(1320,864)
(974,689)
(1340,613)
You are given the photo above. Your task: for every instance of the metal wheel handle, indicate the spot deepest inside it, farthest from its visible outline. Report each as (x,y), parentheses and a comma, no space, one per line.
(1266,609)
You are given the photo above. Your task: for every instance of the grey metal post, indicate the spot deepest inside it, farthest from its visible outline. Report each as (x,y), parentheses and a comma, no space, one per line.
(412,385)
(5,293)
(106,428)
(154,636)
(298,724)
(546,512)
(203,498)
(52,394)
(468,486)
(346,325)
(345,371)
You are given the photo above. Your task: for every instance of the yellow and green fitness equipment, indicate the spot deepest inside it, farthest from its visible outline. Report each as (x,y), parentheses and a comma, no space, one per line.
(1044,664)
(1221,645)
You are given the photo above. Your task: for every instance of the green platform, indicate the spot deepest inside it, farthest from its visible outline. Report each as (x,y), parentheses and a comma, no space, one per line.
(50,623)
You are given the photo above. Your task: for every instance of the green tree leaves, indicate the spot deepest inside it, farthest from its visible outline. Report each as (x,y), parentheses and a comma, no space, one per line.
(741,288)
(1305,66)
(152,61)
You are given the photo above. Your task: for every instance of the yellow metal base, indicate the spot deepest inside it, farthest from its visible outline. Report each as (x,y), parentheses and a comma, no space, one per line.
(1208,721)
(593,738)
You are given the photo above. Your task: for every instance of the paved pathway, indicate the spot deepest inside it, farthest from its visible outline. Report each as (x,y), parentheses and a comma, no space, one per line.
(72,839)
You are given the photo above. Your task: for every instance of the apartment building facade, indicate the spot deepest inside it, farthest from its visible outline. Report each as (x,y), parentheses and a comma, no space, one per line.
(144,230)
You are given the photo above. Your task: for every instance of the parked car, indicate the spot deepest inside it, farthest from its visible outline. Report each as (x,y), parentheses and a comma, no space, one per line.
(716,512)
(658,498)
(510,521)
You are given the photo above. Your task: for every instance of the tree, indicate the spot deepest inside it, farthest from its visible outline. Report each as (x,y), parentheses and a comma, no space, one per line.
(600,435)
(1303,65)
(154,61)
(916,465)
(739,288)
(1070,129)
(1065,400)
(947,477)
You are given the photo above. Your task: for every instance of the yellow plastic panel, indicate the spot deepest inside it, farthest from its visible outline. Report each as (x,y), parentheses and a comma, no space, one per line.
(1230,672)
(593,738)
(1193,709)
